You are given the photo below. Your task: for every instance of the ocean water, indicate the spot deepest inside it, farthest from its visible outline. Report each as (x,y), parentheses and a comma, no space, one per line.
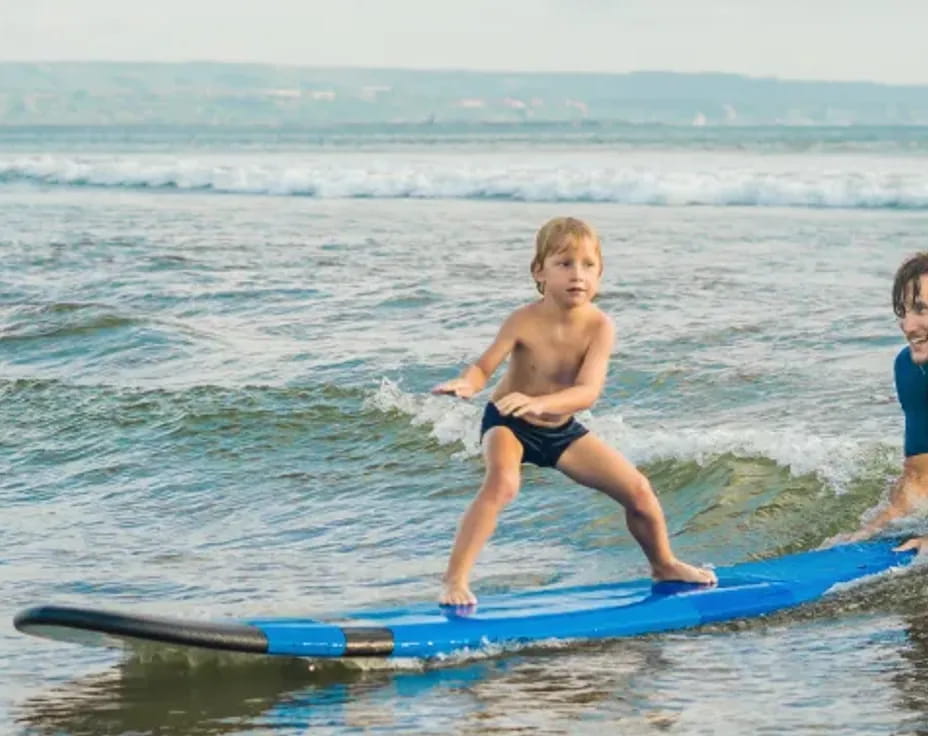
(216,348)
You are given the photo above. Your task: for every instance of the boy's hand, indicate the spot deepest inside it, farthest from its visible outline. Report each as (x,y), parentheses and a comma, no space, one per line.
(519,404)
(460,387)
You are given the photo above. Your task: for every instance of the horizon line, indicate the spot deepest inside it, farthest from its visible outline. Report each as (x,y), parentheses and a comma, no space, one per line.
(465,70)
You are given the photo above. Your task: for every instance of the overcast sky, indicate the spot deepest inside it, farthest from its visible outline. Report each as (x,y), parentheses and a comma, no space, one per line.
(879,40)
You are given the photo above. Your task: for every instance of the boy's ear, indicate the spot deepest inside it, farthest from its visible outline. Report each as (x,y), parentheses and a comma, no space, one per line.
(536,275)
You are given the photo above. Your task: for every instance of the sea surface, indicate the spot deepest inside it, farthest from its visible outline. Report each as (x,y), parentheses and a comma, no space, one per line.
(216,350)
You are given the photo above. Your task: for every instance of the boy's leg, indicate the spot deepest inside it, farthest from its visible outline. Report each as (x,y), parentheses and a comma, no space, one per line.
(592,463)
(502,454)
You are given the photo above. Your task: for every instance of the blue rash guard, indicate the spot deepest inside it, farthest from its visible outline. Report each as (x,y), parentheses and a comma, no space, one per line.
(912,390)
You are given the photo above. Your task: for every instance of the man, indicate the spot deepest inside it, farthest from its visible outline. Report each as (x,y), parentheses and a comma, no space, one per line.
(910,492)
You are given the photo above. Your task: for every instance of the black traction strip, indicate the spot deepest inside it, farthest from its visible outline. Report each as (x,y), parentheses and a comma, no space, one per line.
(362,641)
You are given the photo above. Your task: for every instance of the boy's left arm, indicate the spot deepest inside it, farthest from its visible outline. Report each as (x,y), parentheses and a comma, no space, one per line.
(589,383)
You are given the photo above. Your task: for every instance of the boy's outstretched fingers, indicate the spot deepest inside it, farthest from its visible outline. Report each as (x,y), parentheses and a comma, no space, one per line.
(457,387)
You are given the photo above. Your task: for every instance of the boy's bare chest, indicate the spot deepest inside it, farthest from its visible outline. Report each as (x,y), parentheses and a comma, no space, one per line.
(552,355)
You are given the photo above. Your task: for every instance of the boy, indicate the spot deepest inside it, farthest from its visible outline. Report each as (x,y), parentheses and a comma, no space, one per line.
(559,348)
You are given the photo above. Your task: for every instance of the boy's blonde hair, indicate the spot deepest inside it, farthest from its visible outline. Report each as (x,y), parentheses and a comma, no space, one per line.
(557,234)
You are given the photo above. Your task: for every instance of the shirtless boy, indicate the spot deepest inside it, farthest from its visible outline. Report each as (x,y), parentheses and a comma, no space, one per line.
(558,349)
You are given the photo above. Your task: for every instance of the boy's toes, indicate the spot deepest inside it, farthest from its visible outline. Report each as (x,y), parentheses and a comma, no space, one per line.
(457,596)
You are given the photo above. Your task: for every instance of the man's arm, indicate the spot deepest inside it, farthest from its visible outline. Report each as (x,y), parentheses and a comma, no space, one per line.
(911,489)
(908,493)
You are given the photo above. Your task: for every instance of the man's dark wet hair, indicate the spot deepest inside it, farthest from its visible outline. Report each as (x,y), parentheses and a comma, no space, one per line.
(910,272)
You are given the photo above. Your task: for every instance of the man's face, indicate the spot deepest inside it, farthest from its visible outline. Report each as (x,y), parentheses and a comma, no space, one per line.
(914,323)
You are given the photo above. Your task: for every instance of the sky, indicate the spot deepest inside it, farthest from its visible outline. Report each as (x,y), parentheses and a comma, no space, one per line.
(880,41)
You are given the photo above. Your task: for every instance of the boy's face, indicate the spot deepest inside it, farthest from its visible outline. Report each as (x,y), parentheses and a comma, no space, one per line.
(914,323)
(571,275)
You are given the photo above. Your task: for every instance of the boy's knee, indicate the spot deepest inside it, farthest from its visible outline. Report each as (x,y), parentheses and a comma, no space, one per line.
(500,487)
(640,496)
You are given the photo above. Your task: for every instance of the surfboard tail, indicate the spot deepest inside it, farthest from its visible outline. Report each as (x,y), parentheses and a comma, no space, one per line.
(298,637)
(107,628)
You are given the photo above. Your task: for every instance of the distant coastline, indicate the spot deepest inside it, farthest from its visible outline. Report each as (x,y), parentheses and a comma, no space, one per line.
(227,94)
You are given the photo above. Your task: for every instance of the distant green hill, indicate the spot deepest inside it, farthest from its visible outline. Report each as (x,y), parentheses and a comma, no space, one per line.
(99,93)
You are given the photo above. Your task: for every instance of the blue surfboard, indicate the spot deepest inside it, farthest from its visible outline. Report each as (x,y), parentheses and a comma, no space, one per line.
(600,611)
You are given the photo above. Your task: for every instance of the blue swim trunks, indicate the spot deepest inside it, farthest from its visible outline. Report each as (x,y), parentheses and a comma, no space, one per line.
(912,389)
(542,446)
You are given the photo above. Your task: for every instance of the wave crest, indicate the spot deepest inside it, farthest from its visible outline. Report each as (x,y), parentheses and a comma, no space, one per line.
(750,183)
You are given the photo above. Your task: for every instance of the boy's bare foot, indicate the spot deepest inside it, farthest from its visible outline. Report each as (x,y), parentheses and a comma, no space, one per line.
(680,571)
(456,594)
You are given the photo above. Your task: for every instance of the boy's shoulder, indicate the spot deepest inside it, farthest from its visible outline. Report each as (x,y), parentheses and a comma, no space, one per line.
(601,318)
(526,312)
(597,319)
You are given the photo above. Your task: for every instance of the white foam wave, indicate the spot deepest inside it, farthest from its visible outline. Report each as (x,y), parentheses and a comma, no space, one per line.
(752,182)
(451,421)
(836,460)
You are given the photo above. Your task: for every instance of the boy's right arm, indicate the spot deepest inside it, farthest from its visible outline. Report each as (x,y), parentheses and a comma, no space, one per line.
(476,375)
